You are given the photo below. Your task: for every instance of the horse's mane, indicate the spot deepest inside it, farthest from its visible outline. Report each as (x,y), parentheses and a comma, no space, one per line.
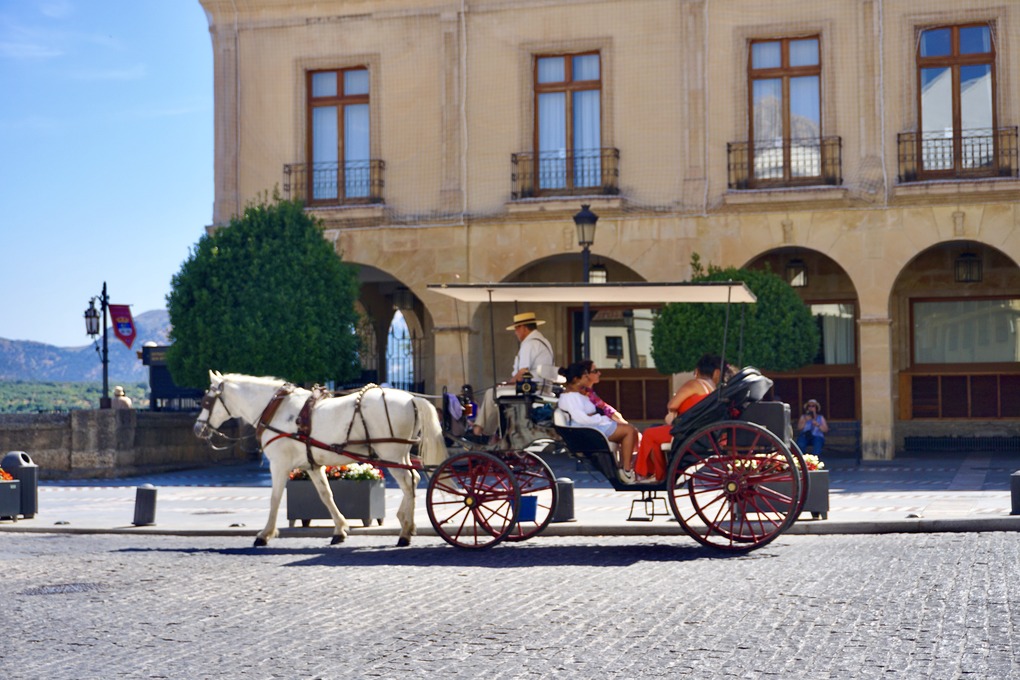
(254,379)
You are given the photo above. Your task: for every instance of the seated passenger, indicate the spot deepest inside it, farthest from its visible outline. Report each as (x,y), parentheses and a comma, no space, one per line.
(651,461)
(575,402)
(594,375)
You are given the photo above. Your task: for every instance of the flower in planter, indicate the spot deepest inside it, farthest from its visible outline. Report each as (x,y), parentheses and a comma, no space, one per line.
(355,472)
(5,476)
(812,462)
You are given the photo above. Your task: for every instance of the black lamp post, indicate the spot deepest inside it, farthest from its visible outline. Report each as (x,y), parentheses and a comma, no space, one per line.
(585,223)
(92,328)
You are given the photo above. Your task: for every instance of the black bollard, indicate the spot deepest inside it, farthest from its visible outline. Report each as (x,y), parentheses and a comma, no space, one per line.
(1014,492)
(564,511)
(145,505)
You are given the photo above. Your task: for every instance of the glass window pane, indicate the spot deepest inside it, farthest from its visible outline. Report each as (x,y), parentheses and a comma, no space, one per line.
(357,167)
(976,116)
(586,67)
(804,52)
(324,84)
(936,42)
(325,152)
(551,70)
(837,327)
(805,128)
(936,118)
(941,334)
(975,40)
(766,55)
(356,82)
(768,128)
(552,140)
(587,139)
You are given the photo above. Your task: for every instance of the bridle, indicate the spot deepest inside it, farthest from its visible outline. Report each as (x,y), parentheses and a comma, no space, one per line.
(204,430)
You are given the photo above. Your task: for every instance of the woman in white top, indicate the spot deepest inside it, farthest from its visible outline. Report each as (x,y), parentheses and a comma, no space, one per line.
(575,402)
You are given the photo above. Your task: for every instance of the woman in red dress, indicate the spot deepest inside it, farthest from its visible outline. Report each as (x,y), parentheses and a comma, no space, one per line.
(651,461)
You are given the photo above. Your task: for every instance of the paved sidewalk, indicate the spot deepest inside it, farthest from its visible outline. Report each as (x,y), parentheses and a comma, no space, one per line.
(912,494)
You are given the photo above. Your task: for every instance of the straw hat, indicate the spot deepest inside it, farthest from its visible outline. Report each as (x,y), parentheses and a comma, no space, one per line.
(812,401)
(524,318)
(118,391)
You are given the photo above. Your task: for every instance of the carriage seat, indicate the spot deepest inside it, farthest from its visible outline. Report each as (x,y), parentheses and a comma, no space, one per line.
(581,440)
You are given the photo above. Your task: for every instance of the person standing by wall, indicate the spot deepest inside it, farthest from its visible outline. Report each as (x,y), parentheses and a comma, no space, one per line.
(120,400)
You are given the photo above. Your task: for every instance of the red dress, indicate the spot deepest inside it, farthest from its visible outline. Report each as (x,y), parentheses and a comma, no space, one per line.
(650,458)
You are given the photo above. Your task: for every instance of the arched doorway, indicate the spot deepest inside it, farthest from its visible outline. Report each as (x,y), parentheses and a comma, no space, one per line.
(955,310)
(833,377)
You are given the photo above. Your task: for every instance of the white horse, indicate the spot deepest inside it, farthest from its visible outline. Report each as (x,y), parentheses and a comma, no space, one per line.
(378,425)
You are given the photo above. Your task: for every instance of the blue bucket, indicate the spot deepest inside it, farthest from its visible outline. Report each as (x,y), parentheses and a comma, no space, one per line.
(528,509)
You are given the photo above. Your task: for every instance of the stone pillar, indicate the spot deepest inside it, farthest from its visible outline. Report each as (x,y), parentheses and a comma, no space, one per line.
(226,95)
(877,414)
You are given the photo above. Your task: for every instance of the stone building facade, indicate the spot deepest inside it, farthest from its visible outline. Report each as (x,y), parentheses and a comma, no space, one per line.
(866,149)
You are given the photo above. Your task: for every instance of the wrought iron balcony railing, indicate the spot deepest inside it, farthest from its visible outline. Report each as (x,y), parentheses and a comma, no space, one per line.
(347,183)
(565,173)
(785,162)
(986,152)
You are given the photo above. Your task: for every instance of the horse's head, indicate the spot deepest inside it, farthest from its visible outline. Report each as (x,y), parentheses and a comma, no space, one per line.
(214,411)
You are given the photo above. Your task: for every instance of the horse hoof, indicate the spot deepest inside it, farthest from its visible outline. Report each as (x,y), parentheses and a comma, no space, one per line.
(403,542)
(260,542)
(337,538)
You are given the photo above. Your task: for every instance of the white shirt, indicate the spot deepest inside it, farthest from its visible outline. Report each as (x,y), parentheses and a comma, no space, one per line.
(535,351)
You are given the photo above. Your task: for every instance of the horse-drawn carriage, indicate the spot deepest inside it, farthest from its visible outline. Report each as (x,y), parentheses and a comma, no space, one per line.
(735,480)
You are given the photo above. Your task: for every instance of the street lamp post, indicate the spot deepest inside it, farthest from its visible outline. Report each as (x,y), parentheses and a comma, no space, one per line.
(585,222)
(92,328)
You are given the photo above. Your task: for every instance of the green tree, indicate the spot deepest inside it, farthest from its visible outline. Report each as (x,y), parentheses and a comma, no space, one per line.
(266,295)
(779,333)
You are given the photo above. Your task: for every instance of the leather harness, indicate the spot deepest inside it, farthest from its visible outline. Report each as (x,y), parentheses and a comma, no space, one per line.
(304,427)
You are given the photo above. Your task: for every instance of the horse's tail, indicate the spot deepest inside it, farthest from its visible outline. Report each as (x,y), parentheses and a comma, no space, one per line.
(432,448)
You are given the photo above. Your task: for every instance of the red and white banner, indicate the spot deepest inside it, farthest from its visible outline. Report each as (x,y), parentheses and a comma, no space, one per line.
(123,324)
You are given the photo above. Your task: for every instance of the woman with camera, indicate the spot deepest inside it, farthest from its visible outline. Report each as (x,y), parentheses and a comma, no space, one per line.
(812,428)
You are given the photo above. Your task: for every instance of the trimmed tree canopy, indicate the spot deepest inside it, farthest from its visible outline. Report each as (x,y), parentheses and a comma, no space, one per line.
(266,295)
(779,331)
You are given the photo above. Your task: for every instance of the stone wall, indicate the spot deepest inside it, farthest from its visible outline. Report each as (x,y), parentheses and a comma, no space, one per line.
(108,443)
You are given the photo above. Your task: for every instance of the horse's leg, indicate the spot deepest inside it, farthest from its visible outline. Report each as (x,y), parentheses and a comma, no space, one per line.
(279,471)
(408,481)
(318,477)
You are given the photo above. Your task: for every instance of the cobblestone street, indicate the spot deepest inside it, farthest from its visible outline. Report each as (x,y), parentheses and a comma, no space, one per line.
(896,605)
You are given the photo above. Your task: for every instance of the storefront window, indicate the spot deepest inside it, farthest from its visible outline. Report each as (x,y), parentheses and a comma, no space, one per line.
(966,331)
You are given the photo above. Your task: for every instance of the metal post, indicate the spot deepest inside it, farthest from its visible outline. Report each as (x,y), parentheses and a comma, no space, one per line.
(586,349)
(104,401)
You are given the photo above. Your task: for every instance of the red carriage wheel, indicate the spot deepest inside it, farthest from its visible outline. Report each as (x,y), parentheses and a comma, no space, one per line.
(539,493)
(798,457)
(734,485)
(472,500)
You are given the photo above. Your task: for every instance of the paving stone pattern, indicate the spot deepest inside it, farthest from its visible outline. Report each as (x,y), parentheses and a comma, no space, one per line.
(888,606)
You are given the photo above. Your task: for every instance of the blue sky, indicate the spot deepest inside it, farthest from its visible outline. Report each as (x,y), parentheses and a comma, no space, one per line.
(106,156)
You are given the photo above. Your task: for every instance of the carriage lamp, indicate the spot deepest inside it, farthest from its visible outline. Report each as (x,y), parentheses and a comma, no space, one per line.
(796,273)
(968,268)
(598,273)
(585,222)
(402,298)
(92,329)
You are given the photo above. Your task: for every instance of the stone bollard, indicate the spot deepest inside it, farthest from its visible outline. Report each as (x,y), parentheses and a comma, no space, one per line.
(145,505)
(1014,492)
(564,511)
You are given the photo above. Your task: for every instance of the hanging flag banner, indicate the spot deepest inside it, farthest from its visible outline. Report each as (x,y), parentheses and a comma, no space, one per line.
(123,325)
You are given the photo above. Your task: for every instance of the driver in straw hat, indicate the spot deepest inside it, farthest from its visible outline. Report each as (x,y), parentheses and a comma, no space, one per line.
(534,351)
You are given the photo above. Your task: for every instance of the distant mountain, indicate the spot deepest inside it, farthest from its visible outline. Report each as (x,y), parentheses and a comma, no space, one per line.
(35,361)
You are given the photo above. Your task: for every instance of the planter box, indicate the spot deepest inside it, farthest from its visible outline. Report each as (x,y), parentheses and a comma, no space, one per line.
(10,499)
(817,502)
(364,500)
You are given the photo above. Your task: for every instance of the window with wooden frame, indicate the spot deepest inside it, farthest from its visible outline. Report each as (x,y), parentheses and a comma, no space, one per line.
(568,121)
(340,168)
(784,94)
(956,101)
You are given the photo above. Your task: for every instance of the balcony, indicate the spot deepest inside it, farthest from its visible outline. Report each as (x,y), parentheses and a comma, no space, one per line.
(987,152)
(782,163)
(333,184)
(561,173)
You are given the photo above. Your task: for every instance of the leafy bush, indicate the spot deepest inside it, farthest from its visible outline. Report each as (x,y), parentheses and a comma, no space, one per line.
(266,295)
(779,333)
